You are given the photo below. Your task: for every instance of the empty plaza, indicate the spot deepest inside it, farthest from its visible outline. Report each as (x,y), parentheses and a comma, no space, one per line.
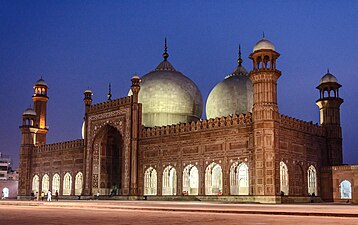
(162,212)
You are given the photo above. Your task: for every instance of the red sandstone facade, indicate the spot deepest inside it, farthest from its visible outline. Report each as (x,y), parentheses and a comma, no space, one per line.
(116,152)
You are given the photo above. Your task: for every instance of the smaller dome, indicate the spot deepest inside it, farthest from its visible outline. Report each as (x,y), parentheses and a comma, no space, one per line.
(88,91)
(264,44)
(29,112)
(328,78)
(135,77)
(41,82)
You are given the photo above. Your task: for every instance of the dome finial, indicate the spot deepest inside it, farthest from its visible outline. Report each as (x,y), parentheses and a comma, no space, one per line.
(109,95)
(263,35)
(165,54)
(327,69)
(239,59)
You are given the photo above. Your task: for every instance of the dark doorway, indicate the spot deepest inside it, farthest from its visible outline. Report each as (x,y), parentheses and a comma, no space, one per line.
(110,161)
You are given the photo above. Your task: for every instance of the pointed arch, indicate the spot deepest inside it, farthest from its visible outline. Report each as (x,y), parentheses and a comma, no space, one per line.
(35,184)
(107,160)
(213,179)
(284,186)
(67,184)
(345,189)
(150,181)
(239,179)
(169,181)
(45,184)
(56,180)
(78,183)
(191,180)
(312,180)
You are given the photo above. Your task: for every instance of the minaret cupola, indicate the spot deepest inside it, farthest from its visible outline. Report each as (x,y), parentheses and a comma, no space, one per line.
(264,55)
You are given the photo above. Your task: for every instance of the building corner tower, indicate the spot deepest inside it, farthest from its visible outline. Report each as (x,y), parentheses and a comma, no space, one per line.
(28,136)
(265,116)
(329,106)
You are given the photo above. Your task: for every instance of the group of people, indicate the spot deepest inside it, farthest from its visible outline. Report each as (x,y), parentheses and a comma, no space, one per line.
(37,196)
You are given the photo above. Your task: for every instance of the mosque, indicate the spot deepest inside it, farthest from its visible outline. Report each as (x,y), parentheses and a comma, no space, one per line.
(154,143)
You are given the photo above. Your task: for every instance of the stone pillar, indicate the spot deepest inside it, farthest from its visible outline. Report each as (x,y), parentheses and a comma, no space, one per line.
(136,126)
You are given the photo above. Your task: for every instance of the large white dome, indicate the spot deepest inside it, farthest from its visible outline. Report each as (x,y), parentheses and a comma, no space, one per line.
(233,95)
(168,97)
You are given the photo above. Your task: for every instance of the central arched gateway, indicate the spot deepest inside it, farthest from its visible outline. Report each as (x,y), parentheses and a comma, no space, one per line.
(107,161)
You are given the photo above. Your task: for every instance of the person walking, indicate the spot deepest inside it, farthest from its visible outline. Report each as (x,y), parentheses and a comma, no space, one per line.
(49,196)
(56,196)
(42,196)
(37,196)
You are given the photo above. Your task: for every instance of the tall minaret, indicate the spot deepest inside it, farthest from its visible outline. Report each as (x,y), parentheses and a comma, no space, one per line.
(28,138)
(265,116)
(329,104)
(40,104)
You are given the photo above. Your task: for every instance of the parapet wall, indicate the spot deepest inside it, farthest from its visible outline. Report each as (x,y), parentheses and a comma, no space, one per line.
(111,104)
(300,125)
(59,146)
(218,122)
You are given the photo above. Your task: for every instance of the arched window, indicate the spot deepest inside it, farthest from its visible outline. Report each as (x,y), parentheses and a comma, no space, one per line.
(169,181)
(312,180)
(67,184)
(35,184)
(284,187)
(150,181)
(345,188)
(45,183)
(239,179)
(78,183)
(190,180)
(213,179)
(56,183)
(6,192)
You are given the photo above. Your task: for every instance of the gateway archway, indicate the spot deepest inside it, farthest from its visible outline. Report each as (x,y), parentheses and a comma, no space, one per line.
(107,162)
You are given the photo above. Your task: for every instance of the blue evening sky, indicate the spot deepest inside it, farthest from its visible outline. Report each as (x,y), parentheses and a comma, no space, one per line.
(80,44)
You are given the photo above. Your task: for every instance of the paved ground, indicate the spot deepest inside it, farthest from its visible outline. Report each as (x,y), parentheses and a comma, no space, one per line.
(160,213)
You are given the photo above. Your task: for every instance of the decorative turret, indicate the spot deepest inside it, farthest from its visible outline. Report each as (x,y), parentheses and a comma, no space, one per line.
(264,76)
(29,117)
(329,104)
(135,87)
(40,99)
(109,94)
(329,100)
(87,97)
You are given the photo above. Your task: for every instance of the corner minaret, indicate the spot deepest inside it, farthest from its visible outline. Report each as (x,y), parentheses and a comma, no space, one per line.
(40,99)
(28,139)
(329,104)
(265,116)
